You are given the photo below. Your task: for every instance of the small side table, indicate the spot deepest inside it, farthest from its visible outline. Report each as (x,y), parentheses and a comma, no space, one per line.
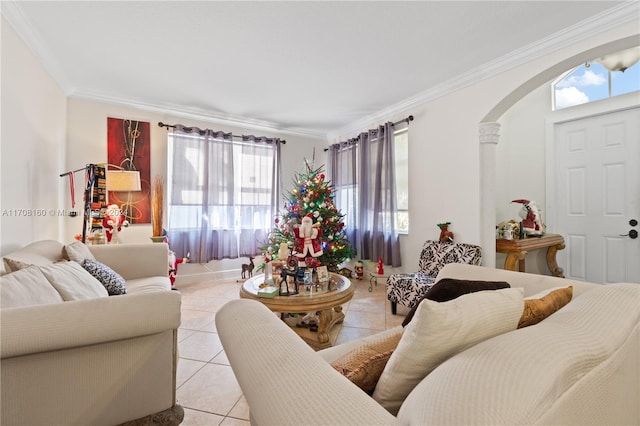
(517,250)
(373,279)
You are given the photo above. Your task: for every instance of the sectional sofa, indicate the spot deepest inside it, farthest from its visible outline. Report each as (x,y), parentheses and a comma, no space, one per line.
(479,363)
(75,353)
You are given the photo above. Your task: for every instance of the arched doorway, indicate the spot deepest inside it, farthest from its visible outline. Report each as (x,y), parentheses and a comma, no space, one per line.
(488,135)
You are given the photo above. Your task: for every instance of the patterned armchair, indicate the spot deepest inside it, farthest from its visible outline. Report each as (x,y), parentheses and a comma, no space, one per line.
(407,289)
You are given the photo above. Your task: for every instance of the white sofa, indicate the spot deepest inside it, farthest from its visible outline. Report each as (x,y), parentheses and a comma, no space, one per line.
(102,360)
(578,366)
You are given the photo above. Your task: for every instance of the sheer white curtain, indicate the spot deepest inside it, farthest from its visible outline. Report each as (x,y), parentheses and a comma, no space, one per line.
(259,179)
(363,173)
(220,193)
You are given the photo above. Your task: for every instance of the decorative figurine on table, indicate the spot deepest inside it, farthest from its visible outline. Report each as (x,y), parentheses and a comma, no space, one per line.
(380,266)
(113,223)
(306,242)
(268,267)
(359,268)
(247,268)
(508,230)
(289,270)
(446,236)
(531,225)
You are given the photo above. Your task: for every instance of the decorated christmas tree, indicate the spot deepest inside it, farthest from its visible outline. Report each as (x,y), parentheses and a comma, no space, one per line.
(309,206)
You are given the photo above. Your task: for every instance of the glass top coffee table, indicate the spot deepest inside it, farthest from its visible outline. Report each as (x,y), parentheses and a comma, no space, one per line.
(327,303)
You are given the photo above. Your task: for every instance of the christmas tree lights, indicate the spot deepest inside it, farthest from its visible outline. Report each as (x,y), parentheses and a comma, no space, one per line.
(312,195)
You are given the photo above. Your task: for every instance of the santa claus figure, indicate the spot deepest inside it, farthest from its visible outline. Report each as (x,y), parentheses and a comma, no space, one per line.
(531,220)
(307,243)
(113,223)
(173,266)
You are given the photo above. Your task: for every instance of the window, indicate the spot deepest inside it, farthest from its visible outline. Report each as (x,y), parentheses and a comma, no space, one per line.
(401,139)
(221,193)
(593,82)
(347,190)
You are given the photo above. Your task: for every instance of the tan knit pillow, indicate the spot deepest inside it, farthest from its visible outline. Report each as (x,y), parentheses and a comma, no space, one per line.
(364,365)
(535,310)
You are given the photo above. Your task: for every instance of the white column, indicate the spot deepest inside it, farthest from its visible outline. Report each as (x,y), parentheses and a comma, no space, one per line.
(489,138)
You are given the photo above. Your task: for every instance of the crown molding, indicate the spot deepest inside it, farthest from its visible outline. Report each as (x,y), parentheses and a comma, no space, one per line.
(13,13)
(597,24)
(618,15)
(199,115)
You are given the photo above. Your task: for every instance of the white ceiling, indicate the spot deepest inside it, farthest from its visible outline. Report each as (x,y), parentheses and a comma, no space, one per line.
(305,67)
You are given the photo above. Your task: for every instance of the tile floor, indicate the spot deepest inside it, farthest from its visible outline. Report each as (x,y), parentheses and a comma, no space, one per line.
(207,388)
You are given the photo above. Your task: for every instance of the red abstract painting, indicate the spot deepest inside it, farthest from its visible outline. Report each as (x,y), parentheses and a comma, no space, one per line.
(128,146)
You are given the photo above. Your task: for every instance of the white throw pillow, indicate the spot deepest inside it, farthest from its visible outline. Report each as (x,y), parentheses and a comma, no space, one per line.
(41,253)
(438,331)
(27,287)
(73,282)
(78,252)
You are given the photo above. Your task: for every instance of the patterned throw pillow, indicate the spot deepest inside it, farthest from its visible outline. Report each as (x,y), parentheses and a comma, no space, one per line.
(110,279)
(364,365)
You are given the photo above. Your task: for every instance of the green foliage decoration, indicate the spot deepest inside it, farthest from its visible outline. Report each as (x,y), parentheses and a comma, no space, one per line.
(312,194)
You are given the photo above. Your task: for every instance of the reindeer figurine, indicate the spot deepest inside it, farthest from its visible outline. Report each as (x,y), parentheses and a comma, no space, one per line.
(248,268)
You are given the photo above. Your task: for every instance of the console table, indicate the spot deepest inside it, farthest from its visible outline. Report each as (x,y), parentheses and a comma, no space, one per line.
(517,250)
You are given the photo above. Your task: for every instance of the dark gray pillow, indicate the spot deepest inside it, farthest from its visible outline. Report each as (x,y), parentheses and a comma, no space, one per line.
(110,279)
(449,288)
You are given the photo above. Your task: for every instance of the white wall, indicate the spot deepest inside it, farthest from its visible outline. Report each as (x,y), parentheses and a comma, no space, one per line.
(33,145)
(520,155)
(87,143)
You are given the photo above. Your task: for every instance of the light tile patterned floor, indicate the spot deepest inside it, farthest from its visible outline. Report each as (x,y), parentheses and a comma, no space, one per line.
(207,388)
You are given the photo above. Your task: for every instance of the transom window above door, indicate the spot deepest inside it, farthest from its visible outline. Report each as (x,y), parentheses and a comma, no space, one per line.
(599,79)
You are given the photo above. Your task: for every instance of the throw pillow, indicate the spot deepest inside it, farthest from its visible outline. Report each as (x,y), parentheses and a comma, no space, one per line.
(448,289)
(27,287)
(438,331)
(110,279)
(73,282)
(535,310)
(364,365)
(78,252)
(15,264)
(41,253)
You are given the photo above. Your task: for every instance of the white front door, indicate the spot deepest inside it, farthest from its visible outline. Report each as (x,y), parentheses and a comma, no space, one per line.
(598,195)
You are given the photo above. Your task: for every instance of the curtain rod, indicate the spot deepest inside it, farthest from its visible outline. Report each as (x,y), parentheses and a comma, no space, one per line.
(172,126)
(404,120)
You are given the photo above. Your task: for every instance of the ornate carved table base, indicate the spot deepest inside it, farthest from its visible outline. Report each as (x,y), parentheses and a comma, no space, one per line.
(516,251)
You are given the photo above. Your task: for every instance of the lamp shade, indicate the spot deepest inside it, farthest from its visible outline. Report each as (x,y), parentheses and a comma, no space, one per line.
(620,61)
(123,180)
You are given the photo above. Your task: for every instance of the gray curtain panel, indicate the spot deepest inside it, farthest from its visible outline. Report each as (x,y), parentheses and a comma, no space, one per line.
(220,201)
(363,173)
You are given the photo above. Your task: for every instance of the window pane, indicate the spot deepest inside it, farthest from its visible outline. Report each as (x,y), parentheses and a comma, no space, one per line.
(402,169)
(402,179)
(581,86)
(243,205)
(627,81)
